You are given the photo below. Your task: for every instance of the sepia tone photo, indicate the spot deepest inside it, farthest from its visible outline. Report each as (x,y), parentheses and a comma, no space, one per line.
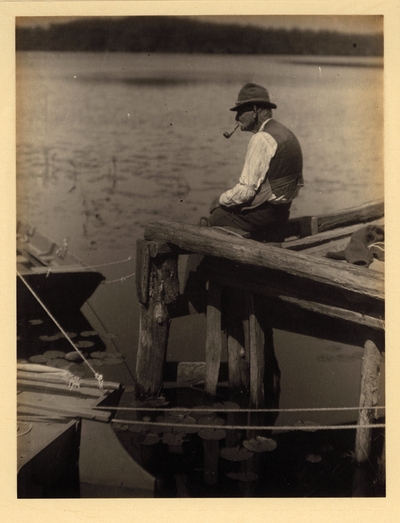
(200,256)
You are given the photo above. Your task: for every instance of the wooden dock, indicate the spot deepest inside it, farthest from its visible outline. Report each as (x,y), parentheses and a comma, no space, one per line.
(291,286)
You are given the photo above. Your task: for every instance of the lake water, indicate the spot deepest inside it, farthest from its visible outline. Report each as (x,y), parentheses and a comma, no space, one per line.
(108,142)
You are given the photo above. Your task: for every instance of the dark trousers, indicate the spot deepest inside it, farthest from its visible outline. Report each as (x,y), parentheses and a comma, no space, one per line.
(264,223)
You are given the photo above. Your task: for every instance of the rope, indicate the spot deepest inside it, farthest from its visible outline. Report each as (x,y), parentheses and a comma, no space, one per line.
(73,268)
(178,409)
(97,376)
(123,279)
(247,427)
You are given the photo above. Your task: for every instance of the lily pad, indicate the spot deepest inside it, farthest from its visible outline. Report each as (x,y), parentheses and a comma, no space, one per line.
(38,359)
(306,425)
(243,476)
(54,337)
(138,428)
(260,444)
(99,355)
(95,362)
(69,334)
(211,420)
(114,355)
(52,354)
(151,439)
(84,344)
(236,454)
(35,322)
(313,458)
(73,356)
(88,333)
(212,434)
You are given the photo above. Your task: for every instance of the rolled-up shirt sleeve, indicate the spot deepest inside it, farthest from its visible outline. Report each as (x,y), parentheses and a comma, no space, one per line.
(261,149)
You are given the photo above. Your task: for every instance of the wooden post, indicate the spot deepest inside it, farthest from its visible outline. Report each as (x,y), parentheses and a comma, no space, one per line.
(213,338)
(368,399)
(163,289)
(256,353)
(233,316)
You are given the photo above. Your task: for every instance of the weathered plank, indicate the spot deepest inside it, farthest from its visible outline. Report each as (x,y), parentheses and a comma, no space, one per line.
(359,282)
(323,241)
(365,213)
(309,225)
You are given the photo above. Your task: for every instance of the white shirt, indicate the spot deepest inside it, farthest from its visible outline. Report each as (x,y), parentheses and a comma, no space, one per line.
(262,147)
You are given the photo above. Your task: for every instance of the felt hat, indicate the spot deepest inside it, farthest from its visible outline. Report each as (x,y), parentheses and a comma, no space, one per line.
(253,94)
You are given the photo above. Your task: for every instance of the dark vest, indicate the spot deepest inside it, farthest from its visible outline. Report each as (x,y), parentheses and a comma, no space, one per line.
(286,166)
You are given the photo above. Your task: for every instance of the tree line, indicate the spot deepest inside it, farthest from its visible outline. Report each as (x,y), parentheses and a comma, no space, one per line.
(182,35)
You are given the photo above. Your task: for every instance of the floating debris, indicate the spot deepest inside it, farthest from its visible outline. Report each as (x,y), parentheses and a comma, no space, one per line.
(313,458)
(243,476)
(236,453)
(88,333)
(35,322)
(260,444)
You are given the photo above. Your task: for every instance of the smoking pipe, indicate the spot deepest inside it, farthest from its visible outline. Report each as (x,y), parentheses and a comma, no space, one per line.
(228,135)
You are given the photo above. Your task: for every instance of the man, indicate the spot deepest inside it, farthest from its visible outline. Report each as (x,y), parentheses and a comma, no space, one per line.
(271,176)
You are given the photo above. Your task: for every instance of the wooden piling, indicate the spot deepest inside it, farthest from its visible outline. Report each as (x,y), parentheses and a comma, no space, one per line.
(256,352)
(163,289)
(213,338)
(368,399)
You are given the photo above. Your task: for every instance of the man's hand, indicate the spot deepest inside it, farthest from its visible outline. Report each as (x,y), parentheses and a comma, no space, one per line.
(214,204)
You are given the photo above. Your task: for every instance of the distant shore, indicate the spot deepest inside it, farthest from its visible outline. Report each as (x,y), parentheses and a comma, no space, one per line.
(182,35)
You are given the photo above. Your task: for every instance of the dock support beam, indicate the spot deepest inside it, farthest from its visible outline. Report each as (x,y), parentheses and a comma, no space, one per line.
(368,399)
(213,338)
(163,289)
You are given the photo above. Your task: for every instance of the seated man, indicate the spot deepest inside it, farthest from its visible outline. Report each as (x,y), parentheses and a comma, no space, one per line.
(272,174)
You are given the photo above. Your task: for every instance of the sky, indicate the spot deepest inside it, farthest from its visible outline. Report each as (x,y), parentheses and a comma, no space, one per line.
(346,24)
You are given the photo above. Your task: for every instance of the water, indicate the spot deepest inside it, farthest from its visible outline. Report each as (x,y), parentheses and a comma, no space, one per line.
(108,142)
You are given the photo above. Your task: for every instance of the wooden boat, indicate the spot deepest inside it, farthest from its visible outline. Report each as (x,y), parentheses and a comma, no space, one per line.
(66,444)
(58,277)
